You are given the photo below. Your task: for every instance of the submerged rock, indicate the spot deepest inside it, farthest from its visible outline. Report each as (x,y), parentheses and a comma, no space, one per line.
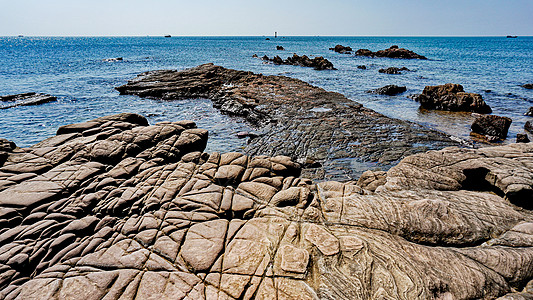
(529,112)
(389,90)
(361,67)
(528,86)
(453,98)
(115,208)
(317,63)
(392,52)
(299,120)
(114,59)
(24,100)
(493,127)
(393,70)
(341,49)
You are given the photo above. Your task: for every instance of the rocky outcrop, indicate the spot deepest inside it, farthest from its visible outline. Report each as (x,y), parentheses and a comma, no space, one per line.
(389,90)
(24,100)
(528,126)
(280,48)
(317,63)
(341,49)
(361,67)
(393,70)
(451,97)
(116,208)
(528,86)
(529,112)
(296,119)
(522,138)
(495,128)
(393,52)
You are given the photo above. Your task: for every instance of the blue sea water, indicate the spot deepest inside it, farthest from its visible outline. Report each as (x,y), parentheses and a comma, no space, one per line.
(74,69)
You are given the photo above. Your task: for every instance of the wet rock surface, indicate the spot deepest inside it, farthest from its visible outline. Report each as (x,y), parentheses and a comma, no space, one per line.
(528,86)
(317,63)
(297,119)
(342,49)
(529,112)
(25,99)
(389,90)
(522,138)
(493,127)
(115,208)
(393,52)
(451,97)
(393,70)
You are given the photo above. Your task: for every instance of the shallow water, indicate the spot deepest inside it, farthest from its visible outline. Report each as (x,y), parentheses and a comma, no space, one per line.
(74,70)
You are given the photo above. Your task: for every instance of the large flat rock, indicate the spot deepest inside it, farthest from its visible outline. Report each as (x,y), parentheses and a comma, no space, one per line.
(297,119)
(115,208)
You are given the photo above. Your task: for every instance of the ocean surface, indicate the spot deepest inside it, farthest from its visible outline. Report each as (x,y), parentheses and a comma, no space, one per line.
(74,69)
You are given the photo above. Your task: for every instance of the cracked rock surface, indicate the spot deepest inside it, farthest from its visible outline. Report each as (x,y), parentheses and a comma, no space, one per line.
(297,119)
(116,208)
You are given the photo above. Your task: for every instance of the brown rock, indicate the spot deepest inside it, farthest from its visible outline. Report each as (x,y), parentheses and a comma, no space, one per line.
(392,52)
(453,98)
(342,49)
(492,126)
(522,138)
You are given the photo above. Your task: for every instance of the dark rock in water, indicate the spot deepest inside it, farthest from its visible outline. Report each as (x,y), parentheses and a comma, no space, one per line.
(389,90)
(492,126)
(120,210)
(392,52)
(528,86)
(114,59)
(488,91)
(362,67)
(24,100)
(299,120)
(318,63)
(246,134)
(393,70)
(451,97)
(280,48)
(522,138)
(254,56)
(528,127)
(267,39)
(529,112)
(7,146)
(341,49)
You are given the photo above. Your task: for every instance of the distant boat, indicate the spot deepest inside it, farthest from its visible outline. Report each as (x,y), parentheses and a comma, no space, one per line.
(512,36)
(168,35)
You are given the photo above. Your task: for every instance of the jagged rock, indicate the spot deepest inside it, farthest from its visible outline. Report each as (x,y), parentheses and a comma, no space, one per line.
(297,120)
(317,63)
(114,59)
(341,49)
(393,70)
(280,48)
(24,99)
(529,112)
(163,220)
(494,127)
(451,97)
(522,138)
(392,52)
(361,67)
(528,126)
(389,90)
(528,86)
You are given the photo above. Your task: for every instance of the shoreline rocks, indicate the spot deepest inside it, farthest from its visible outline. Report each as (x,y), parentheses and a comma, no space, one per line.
(296,119)
(494,127)
(389,90)
(342,49)
(451,97)
(116,208)
(25,100)
(393,52)
(317,63)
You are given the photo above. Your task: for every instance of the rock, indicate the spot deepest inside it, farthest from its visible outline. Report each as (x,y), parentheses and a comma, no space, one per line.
(361,67)
(341,49)
(24,100)
(280,48)
(164,220)
(254,56)
(246,134)
(528,126)
(393,70)
(529,112)
(298,120)
(528,86)
(318,63)
(390,90)
(392,52)
(267,39)
(453,98)
(113,59)
(492,126)
(522,138)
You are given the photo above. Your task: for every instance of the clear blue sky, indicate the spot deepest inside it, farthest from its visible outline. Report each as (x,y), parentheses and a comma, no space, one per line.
(248,17)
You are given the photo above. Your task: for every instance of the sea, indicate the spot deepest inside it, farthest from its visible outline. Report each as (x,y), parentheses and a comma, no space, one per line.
(76,70)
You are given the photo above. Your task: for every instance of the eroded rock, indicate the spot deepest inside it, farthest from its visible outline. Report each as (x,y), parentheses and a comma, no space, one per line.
(493,127)
(393,70)
(389,90)
(317,63)
(24,100)
(393,52)
(451,97)
(342,49)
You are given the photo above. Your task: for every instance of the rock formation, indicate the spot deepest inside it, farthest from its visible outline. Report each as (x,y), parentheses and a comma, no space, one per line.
(296,119)
(317,63)
(117,209)
(495,128)
(392,52)
(25,99)
(528,127)
(361,67)
(389,90)
(529,112)
(393,70)
(341,49)
(528,86)
(522,138)
(453,98)
(280,48)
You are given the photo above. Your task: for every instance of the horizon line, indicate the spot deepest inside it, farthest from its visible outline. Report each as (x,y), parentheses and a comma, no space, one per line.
(279,36)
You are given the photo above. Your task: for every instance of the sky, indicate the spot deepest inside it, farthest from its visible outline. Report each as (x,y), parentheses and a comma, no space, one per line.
(256,18)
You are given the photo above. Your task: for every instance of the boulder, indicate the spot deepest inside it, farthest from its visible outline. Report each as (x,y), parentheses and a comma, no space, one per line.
(453,98)
(25,99)
(361,67)
(317,63)
(493,127)
(522,138)
(393,70)
(389,90)
(528,86)
(528,126)
(529,112)
(280,48)
(393,52)
(341,49)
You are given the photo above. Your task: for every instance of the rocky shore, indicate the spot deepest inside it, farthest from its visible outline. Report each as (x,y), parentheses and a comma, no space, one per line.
(115,208)
(306,123)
